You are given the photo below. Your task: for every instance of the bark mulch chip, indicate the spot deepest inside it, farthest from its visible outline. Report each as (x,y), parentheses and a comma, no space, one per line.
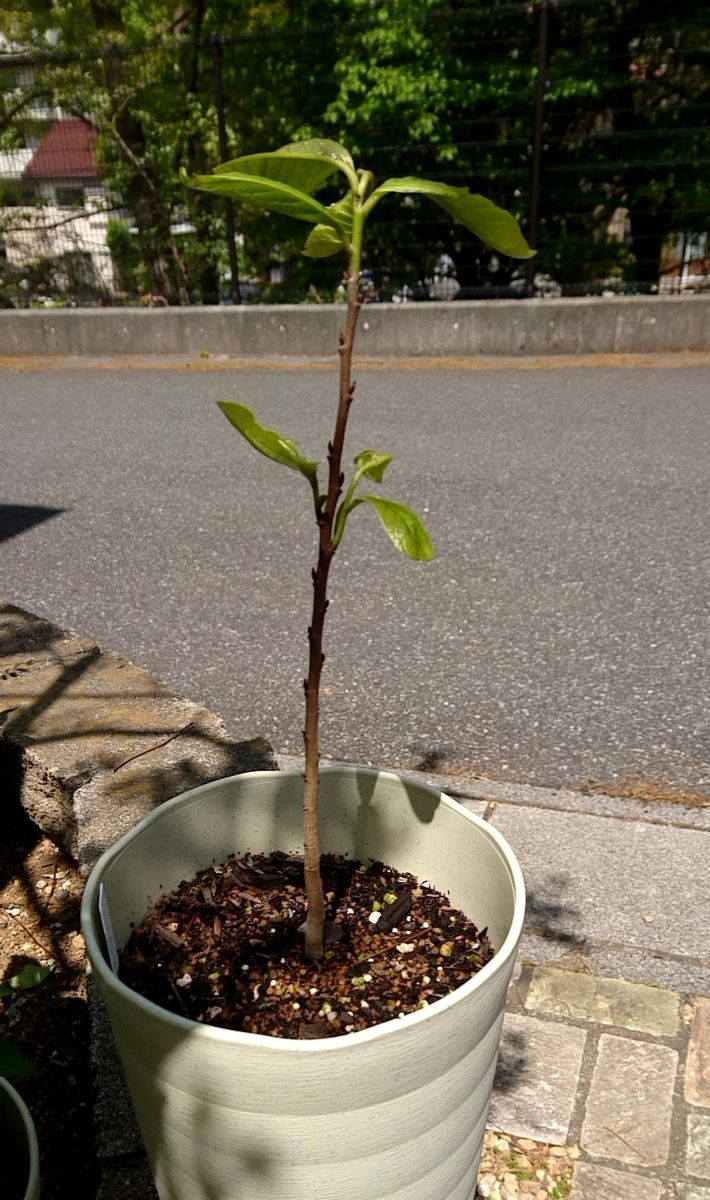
(226,948)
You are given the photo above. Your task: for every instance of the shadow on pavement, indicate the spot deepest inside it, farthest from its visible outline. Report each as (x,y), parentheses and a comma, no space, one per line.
(18,518)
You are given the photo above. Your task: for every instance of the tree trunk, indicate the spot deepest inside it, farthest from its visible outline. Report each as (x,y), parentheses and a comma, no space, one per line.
(649,231)
(145,192)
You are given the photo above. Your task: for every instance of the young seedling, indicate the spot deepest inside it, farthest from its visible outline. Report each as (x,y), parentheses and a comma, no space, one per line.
(285,181)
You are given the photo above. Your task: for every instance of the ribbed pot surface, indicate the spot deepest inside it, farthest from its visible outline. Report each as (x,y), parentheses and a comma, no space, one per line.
(396,1112)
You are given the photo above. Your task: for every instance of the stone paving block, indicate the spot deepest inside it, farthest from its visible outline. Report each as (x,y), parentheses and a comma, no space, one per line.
(691,1191)
(597,884)
(537,1077)
(697,1070)
(607,1001)
(629,1107)
(697,1159)
(592,1182)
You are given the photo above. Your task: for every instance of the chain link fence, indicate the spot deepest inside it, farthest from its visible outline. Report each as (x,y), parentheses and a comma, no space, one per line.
(604,159)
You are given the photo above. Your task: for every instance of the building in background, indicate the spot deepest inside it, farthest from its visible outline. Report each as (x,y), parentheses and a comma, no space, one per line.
(58,211)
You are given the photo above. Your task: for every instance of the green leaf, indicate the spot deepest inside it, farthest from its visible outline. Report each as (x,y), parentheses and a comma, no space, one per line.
(372,464)
(322,148)
(13,1061)
(402,525)
(322,242)
(305,165)
(327,151)
(268,442)
(494,226)
(306,172)
(31,975)
(268,194)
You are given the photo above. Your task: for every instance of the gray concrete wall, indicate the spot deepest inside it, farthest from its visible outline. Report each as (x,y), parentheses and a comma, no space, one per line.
(590,325)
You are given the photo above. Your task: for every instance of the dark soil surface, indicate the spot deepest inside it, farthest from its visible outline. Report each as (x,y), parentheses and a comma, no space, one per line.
(226,949)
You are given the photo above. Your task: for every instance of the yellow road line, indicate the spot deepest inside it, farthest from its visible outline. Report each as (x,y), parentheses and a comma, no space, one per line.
(561,362)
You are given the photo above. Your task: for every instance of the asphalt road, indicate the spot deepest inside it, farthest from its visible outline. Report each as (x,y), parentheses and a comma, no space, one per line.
(561,633)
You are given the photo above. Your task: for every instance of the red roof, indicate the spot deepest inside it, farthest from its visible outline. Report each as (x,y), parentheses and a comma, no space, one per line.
(66,152)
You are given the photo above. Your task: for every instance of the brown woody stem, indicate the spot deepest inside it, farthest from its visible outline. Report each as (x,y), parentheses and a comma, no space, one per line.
(326,549)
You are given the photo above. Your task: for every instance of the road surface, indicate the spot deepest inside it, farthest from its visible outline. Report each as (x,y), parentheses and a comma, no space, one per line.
(560,635)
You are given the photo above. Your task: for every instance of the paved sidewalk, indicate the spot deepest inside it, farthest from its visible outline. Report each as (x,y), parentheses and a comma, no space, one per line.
(620,1070)
(606,1043)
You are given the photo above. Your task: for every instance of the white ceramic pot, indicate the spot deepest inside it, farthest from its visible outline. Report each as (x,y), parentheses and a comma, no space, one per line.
(18,1139)
(396,1112)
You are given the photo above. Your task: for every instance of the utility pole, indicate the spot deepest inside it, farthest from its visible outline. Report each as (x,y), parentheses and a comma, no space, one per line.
(537,145)
(224,154)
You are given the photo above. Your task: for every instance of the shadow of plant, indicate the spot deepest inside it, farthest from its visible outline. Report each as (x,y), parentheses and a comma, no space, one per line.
(550,916)
(512,1062)
(18,518)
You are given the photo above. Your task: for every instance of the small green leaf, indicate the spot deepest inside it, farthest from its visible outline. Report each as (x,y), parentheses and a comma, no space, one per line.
(267,441)
(268,194)
(402,526)
(31,975)
(372,464)
(494,226)
(13,1061)
(322,242)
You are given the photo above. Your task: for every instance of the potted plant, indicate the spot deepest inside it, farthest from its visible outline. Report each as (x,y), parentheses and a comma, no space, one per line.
(19,1159)
(395,1111)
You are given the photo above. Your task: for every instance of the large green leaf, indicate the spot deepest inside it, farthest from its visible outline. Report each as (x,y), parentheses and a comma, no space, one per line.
(305,165)
(493,225)
(267,441)
(268,194)
(402,525)
(321,148)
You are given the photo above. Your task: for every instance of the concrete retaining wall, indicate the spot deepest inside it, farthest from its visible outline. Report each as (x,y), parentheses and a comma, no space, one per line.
(577,326)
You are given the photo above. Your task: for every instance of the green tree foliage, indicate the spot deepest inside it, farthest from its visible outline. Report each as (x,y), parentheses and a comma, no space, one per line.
(627,113)
(444,88)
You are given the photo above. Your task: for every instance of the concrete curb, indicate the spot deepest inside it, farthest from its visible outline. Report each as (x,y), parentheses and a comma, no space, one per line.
(474,788)
(91,743)
(588,325)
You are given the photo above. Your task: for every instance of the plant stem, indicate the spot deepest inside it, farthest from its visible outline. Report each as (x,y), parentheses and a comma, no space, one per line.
(315,916)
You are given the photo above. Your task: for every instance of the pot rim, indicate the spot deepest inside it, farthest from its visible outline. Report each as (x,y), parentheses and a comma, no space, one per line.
(30,1133)
(99,963)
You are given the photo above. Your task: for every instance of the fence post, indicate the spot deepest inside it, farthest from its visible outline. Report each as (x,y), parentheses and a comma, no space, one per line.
(539,121)
(224,154)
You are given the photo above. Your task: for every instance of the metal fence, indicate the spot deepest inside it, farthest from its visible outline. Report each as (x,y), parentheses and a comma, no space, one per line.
(614,195)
